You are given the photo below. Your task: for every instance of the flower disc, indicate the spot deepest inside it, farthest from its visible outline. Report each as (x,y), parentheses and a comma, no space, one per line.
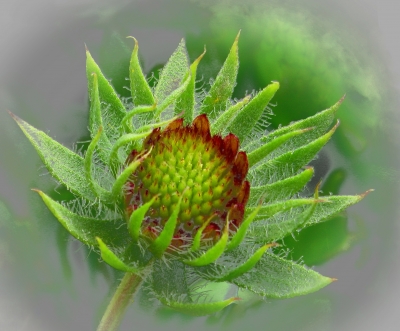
(207,171)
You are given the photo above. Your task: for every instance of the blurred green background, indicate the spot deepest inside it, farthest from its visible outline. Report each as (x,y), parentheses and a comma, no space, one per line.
(317,55)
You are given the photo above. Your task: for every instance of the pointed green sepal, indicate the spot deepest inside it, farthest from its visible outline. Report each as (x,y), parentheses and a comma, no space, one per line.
(198,309)
(269,210)
(282,189)
(136,218)
(320,122)
(112,108)
(164,239)
(100,192)
(173,74)
(150,126)
(221,90)
(186,101)
(297,158)
(140,89)
(241,231)
(127,139)
(212,253)
(337,204)
(87,229)
(223,121)
(261,152)
(275,277)
(63,164)
(173,97)
(248,117)
(126,125)
(121,180)
(113,260)
(197,237)
(245,267)
(95,120)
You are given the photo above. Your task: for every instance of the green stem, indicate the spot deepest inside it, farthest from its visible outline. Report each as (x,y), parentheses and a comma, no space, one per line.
(117,306)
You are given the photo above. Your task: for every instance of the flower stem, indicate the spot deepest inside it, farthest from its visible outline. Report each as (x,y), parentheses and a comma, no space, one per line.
(116,308)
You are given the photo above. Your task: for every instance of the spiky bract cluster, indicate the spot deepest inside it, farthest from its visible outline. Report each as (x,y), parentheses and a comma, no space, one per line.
(184,187)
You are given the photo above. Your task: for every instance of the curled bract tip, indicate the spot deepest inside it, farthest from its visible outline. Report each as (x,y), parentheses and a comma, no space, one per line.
(363,195)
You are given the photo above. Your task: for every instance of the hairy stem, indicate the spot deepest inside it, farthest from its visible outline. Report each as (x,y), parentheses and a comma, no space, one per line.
(117,306)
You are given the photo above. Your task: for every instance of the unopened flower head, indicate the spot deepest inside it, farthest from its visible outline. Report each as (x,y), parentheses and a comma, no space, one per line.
(190,185)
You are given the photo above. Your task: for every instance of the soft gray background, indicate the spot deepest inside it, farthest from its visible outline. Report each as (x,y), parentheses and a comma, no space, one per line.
(26,28)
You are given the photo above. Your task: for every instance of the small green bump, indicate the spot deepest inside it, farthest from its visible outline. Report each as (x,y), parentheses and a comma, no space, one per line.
(163,188)
(166,199)
(181,185)
(164,211)
(172,187)
(166,180)
(207,196)
(186,215)
(217,190)
(196,210)
(198,179)
(185,203)
(206,207)
(154,189)
(197,198)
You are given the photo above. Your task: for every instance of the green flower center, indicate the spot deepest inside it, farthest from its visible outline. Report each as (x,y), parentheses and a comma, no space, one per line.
(207,171)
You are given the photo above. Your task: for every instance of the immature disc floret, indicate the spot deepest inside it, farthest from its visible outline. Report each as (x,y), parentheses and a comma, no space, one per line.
(205,173)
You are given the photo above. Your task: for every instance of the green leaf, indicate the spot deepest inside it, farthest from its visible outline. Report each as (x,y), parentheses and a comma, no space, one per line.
(281,189)
(288,164)
(249,115)
(172,74)
(186,101)
(113,260)
(284,224)
(226,117)
(179,288)
(87,229)
(95,120)
(337,204)
(112,109)
(63,164)
(261,152)
(221,90)
(274,277)
(198,309)
(140,89)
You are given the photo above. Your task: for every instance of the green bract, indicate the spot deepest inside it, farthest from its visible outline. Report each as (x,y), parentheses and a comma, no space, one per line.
(163,216)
